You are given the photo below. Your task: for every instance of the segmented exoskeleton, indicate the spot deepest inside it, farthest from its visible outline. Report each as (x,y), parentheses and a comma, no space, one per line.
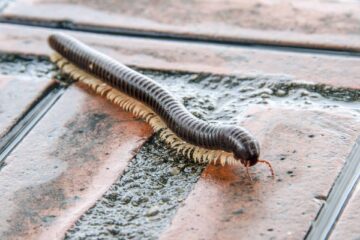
(145,98)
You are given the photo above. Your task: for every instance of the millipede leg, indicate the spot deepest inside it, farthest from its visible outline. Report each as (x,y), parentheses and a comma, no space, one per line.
(198,154)
(248,173)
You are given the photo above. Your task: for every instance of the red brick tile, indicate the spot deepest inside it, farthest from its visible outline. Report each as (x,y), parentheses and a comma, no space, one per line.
(65,164)
(307,149)
(170,55)
(17,95)
(321,24)
(347,226)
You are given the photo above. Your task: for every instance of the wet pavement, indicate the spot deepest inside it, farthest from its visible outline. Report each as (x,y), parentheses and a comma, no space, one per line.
(74,166)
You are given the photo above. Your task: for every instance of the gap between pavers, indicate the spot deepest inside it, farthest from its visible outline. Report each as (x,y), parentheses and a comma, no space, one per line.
(347,227)
(18,93)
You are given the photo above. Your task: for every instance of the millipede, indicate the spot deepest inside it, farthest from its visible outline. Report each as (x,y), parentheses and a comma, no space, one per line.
(146,99)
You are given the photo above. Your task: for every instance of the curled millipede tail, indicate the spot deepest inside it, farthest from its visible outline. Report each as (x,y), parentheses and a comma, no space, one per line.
(146,99)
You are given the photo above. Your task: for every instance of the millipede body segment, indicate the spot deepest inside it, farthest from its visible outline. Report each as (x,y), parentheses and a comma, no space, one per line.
(134,92)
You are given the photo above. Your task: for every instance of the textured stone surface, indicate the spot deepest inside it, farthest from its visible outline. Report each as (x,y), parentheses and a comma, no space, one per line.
(65,164)
(169,55)
(347,226)
(141,203)
(319,24)
(307,149)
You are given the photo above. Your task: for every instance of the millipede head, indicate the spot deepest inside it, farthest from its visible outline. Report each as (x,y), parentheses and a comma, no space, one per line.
(254,160)
(242,144)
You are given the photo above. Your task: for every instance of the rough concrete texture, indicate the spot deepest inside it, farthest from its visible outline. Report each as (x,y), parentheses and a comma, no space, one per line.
(22,81)
(140,203)
(347,226)
(341,71)
(65,164)
(319,24)
(292,121)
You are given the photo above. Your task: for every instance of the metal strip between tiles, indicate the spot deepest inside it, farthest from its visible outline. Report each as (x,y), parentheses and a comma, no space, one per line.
(338,197)
(28,121)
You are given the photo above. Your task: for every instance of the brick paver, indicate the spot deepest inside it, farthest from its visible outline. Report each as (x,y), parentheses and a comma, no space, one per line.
(307,149)
(83,143)
(65,164)
(169,55)
(320,24)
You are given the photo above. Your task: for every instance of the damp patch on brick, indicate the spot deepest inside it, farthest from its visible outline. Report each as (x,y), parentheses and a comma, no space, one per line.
(145,198)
